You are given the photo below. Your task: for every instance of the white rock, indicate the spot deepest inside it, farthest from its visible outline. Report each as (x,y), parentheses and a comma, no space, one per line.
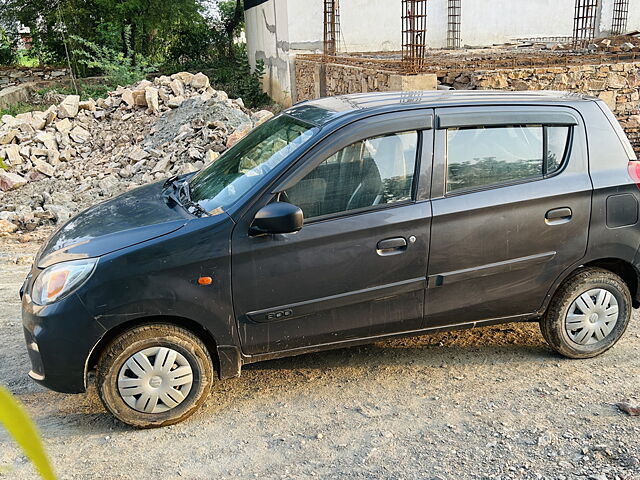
(69,107)
(47,139)
(210,157)
(177,87)
(79,134)
(163,165)
(183,76)
(175,102)
(88,105)
(10,181)
(64,125)
(260,117)
(151,97)
(12,153)
(8,136)
(199,80)
(43,167)
(127,97)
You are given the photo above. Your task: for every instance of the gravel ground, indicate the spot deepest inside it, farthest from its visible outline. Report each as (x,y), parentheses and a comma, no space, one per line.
(478,404)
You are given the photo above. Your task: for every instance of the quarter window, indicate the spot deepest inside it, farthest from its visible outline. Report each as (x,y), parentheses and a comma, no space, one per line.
(479,157)
(369,173)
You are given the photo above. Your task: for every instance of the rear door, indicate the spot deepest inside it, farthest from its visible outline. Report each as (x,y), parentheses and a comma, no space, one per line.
(511,208)
(358,266)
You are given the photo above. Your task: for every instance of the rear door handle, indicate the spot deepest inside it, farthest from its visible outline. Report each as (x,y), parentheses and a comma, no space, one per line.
(391,246)
(558,215)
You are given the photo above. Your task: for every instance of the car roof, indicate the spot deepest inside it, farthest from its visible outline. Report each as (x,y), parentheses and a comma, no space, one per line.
(324,110)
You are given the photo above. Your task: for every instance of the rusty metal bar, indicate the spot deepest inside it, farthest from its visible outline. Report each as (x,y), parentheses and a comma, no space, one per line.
(414,34)
(331,26)
(620,16)
(453,30)
(584,22)
(441,65)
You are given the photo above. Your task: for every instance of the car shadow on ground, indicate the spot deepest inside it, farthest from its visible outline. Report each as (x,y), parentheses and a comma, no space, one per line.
(519,344)
(465,347)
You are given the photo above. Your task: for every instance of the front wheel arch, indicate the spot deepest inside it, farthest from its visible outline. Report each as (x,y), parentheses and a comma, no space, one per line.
(196,329)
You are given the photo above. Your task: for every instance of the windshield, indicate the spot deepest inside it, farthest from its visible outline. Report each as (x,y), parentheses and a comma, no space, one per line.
(244,165)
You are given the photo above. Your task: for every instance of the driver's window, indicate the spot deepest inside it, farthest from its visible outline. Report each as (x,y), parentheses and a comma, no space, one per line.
(372,172)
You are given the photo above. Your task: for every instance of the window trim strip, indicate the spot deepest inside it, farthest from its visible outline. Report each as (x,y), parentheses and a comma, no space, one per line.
(502,119)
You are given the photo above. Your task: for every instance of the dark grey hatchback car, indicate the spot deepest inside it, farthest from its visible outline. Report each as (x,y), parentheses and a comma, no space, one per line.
(343,221)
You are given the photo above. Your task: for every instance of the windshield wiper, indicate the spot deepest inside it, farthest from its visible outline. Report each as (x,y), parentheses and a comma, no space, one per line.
(179,192)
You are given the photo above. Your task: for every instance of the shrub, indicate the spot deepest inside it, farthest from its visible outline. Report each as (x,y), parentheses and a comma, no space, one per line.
(118,68)
(7,49)
(234,75)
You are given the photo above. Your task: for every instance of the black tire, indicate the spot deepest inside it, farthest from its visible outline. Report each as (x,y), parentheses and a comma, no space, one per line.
(138,339)
(553,326)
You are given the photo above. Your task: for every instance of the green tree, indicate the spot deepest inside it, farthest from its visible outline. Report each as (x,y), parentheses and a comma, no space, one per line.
(154,25)
(7,48)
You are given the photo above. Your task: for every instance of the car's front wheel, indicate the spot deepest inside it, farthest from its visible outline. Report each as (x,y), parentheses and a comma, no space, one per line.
(154,375)
(588,314)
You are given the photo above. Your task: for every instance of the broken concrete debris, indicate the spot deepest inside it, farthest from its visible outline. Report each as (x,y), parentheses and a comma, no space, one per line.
(77,153)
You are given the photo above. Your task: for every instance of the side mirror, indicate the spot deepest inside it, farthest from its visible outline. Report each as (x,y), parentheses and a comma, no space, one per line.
(277,217)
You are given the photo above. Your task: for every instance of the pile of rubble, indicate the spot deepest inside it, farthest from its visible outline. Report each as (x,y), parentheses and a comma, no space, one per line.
(72,155)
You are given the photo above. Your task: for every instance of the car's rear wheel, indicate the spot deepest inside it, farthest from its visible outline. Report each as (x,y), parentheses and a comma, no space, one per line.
(154,375)
(588,314)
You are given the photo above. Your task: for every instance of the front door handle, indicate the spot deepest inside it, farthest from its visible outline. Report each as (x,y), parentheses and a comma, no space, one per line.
(557,216)
(390,246)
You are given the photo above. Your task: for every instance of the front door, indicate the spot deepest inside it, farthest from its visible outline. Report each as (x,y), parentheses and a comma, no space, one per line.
(511,208)
(358,266)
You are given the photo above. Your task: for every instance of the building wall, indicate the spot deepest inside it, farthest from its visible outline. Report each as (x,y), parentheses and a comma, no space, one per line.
(316,79)
(11,76)
(617,84)
(267,30)
(278,29)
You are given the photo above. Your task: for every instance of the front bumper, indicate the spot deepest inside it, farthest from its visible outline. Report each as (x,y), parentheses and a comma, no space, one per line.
(60,338)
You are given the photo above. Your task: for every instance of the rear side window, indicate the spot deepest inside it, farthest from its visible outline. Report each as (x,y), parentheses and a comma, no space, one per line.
(480,157)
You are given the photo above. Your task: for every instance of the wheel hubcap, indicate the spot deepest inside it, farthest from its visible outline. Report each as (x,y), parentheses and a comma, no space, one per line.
(592,316)
(155,380)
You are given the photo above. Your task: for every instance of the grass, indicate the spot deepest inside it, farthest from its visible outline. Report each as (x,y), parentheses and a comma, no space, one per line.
(17,108)
(25,60)
(85,90)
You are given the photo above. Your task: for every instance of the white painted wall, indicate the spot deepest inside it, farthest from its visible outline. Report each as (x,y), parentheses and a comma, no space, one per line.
(371,25)
(510,19)
(278,29)
(633,22)
(267,30)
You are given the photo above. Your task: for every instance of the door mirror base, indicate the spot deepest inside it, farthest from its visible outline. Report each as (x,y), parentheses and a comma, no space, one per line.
(277,218)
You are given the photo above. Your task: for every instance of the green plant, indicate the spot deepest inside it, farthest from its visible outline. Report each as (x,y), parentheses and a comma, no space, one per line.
(235,76)
(21,428)
(118,68)
(3,166)
(7,49)
(26,59)
(18,108)
(86,90)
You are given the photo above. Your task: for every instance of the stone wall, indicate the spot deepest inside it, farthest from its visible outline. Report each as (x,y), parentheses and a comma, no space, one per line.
(314,79)
(11,76)
(617,84)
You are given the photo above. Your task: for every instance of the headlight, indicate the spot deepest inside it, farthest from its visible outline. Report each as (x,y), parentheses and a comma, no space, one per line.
(61,279)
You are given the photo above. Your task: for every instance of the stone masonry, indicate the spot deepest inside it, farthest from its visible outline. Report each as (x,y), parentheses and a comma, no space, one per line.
(11,76)
(316,79)
(617,84)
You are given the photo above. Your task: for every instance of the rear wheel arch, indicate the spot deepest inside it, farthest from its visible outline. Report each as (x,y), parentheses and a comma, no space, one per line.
(625,270)
(196,329)
(629,274)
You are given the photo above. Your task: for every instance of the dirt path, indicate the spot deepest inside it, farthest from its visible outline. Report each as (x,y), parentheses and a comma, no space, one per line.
(480,404)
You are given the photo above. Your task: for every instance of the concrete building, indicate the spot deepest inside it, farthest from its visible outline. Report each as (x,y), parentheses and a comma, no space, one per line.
(279,29)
